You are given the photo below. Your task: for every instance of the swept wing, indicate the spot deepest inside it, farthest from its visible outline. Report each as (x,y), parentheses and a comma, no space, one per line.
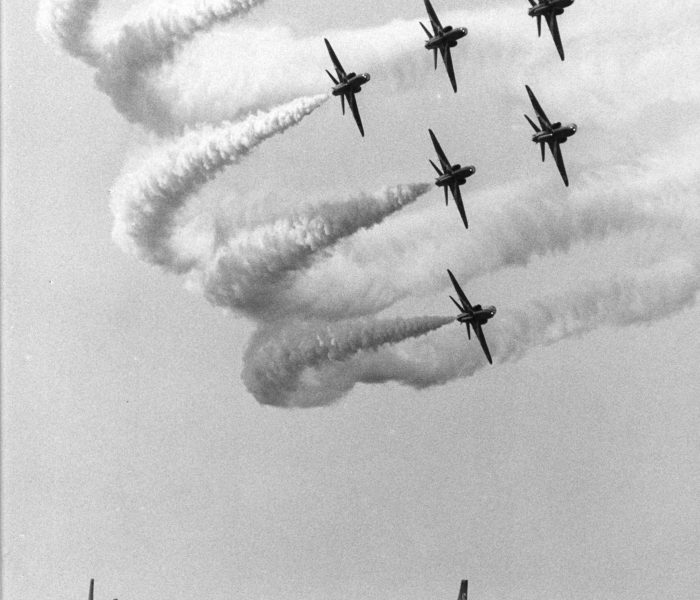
(559,159)
(482,340)
(434,21)
(554,30)
(447,59)
(457,195)
(336,63)
(466,306)
(441,155)
(352,101)
(541,116)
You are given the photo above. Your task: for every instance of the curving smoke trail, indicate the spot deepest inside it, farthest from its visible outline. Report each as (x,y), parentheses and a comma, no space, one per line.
(147,201)
(276,360)
(127,53)
(651,294)
(68,25)
(511,228)
(159,72)
(253,270)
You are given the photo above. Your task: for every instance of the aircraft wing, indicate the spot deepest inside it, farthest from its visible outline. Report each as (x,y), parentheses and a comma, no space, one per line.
(559,159)
(554,30)
(336,63)
(92,590)
(434,21)
(355,112)
(482,340)
(465,303)
(447,59)
(446,166)
(544,121)
(457,195)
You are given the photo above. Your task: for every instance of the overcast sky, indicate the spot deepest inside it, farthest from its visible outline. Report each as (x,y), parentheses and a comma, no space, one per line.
(134,453)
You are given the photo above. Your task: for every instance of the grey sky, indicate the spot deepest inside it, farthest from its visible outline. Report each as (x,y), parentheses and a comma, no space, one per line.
(133,453)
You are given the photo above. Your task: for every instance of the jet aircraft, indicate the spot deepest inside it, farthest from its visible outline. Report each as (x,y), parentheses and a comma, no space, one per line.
(442,39)
(451,177)
(552,134)
(347,85)
(550,10)
(472,316)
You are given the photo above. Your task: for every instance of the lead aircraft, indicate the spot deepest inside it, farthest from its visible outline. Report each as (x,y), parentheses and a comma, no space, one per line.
(347,85)
(472,316)
(552,134)
(550,10)
(451,177)
(442,39)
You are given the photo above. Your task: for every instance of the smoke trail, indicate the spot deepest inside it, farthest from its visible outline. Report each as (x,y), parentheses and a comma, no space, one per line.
(513,228)
(127,53)
(251,272)
(275,360)
(146,202)
(146,40)
(500,37)
(67,23)
(649,295)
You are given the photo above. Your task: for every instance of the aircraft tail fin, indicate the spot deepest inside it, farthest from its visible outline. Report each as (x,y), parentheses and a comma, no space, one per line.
(542,149)
(446,195)
(333,79)
(342,103)
(439,172)
(532,124)
(539,26)
(426,30)
(91,594)
(435,55)
(465,583)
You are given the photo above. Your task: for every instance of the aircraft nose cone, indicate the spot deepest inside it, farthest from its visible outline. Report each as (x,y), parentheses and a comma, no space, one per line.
(464,30)
(367,76)
(473,170)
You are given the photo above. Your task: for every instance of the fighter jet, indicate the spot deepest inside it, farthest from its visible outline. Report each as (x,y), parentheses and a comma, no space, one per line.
(442,39)
(472,316)
(552,134)
(550,10)
(347,85)
(451,177)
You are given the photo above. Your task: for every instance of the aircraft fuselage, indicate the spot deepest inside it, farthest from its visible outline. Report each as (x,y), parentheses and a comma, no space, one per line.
(555,7)
(449,38)
(480,315)
(458,174)
(559,133)
(352,84)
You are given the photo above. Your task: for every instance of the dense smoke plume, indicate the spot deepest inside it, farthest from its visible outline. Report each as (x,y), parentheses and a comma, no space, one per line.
(316,278)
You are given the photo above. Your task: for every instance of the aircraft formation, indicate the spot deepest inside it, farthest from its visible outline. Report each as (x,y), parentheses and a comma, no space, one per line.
(451,177)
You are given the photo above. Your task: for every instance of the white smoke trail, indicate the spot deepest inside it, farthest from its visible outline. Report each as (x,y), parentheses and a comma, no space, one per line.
(503,38)
(252,270)
(126,53)
(68,24)
(510,228)
(276,359)
(147,201)
(651,294)
(160,73)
